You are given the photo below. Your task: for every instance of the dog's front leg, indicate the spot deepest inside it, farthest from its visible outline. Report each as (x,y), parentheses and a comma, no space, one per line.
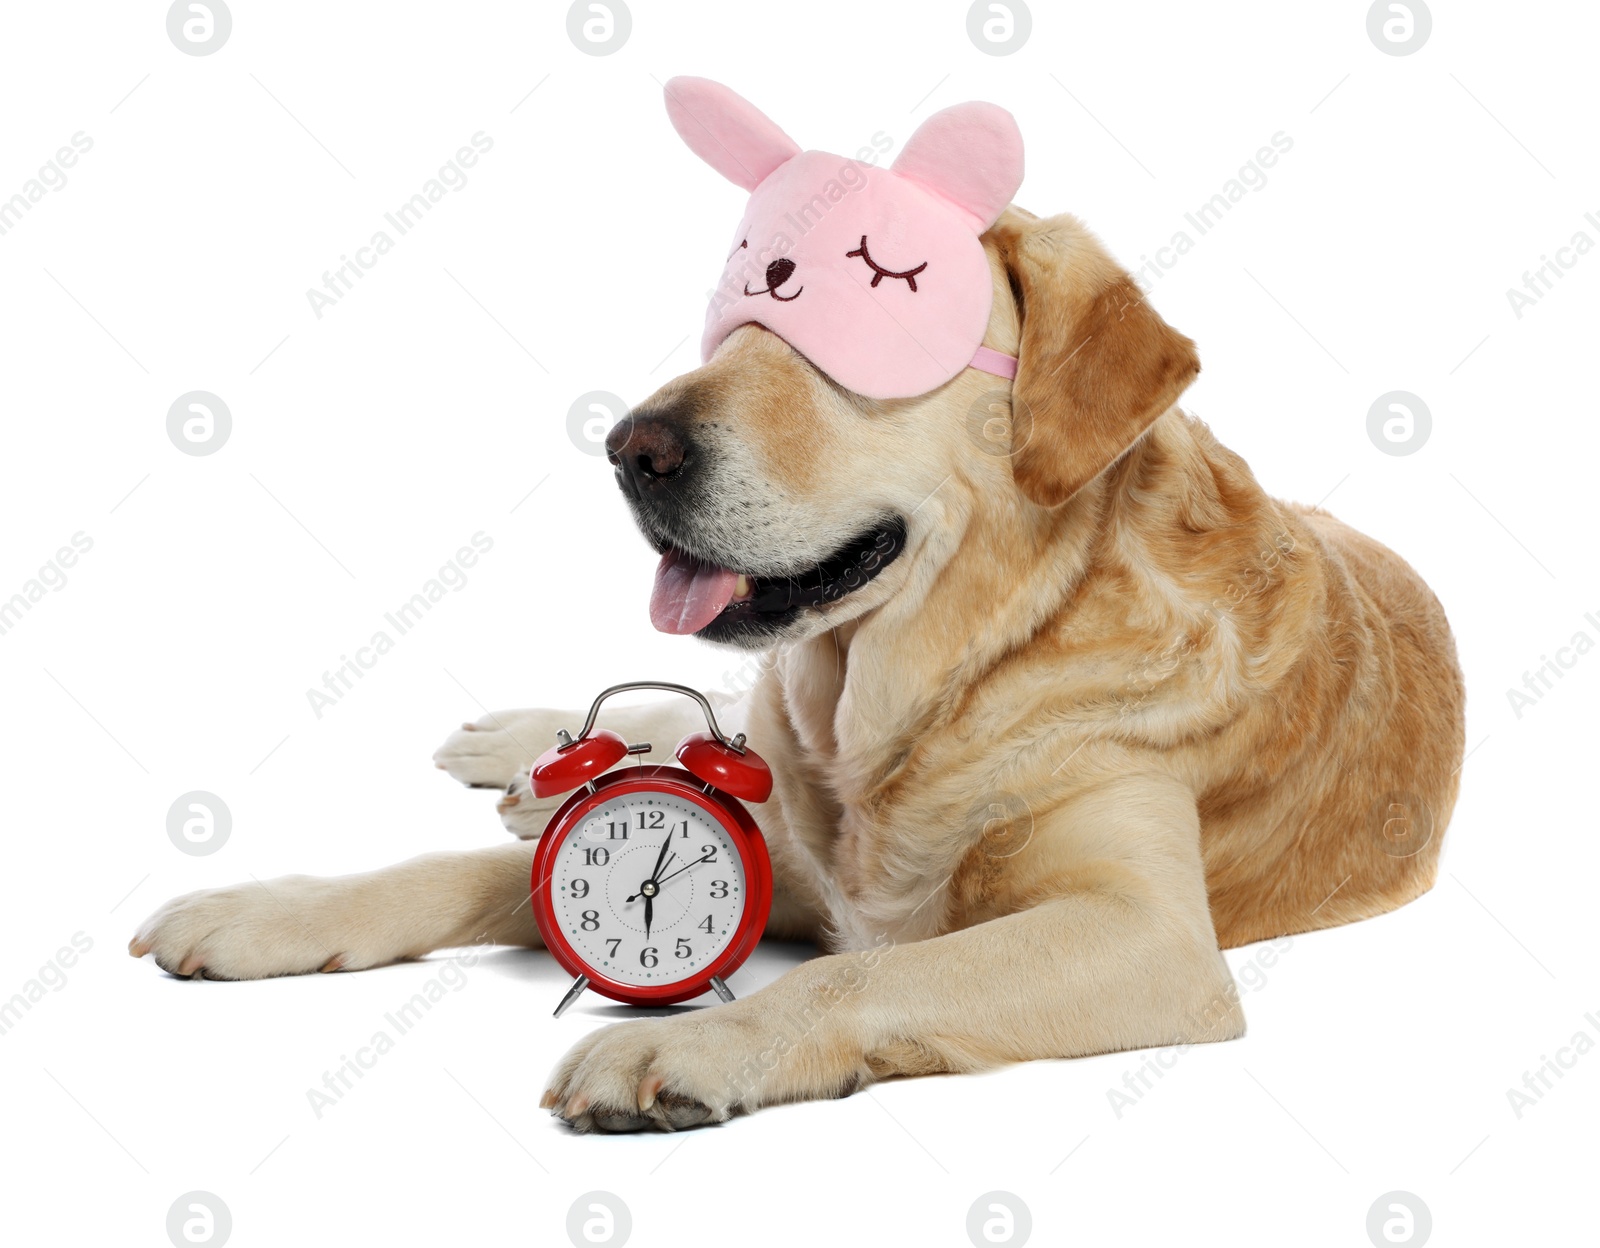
(301,923)
(497,750)
(1117,952)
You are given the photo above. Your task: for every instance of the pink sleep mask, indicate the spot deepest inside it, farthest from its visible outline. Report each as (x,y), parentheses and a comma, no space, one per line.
(874,275)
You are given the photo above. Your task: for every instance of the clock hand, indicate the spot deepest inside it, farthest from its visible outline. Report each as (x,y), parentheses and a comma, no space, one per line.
(636,896)
(655,872)
(708,858)
(661,858)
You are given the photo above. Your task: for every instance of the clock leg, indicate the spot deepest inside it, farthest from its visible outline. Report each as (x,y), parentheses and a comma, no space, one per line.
(721,989)
(573,993)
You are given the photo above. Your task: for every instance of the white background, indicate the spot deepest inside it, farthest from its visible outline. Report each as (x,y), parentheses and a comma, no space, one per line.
(368,445)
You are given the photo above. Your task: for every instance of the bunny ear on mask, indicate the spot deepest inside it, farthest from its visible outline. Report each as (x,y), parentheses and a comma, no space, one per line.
(726,131)
(969,154)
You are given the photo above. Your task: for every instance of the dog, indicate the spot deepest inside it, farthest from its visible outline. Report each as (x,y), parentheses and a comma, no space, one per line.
(1059,705)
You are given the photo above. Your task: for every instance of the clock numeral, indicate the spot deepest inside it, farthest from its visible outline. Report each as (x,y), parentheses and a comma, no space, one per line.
(612,833)
(591,920)
(647,956)
(652,819)
(681,949)
(596,857)
(708,853)
(616,943)
(682,830)
(717,885)
(706,927)
(580,888)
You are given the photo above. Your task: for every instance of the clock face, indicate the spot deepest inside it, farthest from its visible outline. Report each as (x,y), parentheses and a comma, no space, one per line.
(648,888)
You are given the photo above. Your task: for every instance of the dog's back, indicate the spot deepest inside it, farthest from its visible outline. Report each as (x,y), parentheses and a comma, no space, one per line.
(1345,770)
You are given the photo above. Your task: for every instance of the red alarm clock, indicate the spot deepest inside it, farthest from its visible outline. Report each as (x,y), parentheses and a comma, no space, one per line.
(651,883)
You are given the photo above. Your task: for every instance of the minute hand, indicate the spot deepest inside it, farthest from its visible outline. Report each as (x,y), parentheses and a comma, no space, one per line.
(687,865)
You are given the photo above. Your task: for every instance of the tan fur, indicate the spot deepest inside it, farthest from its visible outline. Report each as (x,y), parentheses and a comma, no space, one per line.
(1112,709)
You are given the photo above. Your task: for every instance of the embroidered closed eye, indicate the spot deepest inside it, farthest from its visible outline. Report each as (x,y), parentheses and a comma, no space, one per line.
(737,250)
(879,272)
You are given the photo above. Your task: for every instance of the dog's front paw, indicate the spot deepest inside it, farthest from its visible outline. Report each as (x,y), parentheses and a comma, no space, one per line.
(654,1074)
(496,749)
(523,814)
(691,1070)
(289,926)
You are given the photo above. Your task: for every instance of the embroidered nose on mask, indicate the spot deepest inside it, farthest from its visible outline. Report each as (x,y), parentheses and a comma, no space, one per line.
(778,272)
(897,287)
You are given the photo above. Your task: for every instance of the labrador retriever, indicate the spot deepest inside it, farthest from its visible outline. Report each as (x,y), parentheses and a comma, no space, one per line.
(1059,704)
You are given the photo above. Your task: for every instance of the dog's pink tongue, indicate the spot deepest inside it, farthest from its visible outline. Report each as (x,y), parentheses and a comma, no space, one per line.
(688,594)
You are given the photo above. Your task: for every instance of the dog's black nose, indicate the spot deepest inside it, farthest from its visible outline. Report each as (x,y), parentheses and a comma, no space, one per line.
(779,272)
(646,450)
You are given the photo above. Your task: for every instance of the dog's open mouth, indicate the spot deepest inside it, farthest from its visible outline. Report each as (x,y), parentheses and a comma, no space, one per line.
(692,596)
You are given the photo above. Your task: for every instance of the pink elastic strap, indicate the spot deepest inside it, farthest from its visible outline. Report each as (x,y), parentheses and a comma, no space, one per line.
(996,362)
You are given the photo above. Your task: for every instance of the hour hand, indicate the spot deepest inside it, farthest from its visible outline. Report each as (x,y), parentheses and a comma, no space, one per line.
(649,913)
(661,858)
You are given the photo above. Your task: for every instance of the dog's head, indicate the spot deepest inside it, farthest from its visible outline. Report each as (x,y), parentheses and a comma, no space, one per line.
(784,504)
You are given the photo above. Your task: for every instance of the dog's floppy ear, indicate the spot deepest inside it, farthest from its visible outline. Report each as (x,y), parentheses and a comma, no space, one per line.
(1096,365)
(726,131)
